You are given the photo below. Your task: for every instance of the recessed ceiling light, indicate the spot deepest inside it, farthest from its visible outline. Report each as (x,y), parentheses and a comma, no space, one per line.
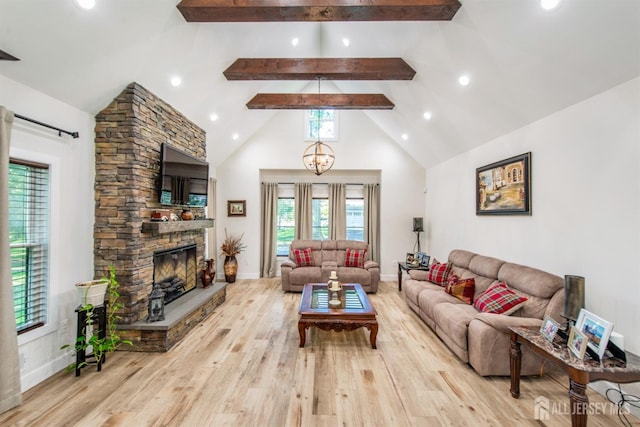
(86,4)
(549,4)
(176,81)
(235,136)
(464,80)
(346,42)
(427,115)
(405,136)
(213,117)
(295,41)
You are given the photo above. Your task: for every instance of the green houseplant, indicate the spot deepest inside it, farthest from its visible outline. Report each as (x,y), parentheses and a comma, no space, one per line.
(100,345)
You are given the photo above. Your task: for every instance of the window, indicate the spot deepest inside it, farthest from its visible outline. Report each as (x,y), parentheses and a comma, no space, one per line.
(328,122)
(355,219)
(285,225)
(320,219)
(29,242)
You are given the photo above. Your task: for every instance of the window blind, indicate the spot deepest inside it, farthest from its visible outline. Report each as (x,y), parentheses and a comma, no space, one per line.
(29,242)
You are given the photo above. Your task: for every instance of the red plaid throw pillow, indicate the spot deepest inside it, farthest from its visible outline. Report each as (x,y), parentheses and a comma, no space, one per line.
(439,272)
(499,299)
(355,258)
(304,257)
(462,289)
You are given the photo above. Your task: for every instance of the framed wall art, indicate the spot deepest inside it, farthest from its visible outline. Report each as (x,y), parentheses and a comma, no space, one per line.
(236,208)
(504,187)
(596,329)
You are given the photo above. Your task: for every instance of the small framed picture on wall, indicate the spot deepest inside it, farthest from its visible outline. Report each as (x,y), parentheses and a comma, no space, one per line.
(236,208)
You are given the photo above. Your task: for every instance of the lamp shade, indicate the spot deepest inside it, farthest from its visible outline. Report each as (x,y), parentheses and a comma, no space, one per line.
(417,224)
(573,296)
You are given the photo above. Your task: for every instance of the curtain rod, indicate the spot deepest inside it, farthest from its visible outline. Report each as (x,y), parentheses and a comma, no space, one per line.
(323,183)
(60,131)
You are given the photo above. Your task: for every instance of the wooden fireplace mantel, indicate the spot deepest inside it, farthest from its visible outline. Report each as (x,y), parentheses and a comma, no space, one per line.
(164,227)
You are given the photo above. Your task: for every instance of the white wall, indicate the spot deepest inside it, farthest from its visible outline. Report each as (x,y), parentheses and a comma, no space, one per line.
(71,245)
(586,203)
(279,145)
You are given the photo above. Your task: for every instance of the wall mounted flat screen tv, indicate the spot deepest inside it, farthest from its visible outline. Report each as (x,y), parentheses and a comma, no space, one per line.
(183,178)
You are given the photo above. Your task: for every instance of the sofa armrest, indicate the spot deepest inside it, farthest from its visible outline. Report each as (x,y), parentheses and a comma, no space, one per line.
(502,322)
(288,263)
(371,264)
(419,275)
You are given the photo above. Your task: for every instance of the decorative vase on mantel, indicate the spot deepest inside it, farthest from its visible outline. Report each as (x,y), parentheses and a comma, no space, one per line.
(230,268)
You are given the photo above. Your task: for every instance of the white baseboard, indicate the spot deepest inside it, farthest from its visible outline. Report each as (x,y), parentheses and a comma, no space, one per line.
(33,378)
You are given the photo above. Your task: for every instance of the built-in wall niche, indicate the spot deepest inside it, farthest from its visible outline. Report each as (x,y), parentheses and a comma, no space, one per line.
(183,178)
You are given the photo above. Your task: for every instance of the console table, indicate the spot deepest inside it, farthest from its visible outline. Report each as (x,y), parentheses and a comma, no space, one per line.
(581,372)
(406,267)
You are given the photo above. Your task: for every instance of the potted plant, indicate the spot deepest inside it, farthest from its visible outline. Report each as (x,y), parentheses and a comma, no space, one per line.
(99,342)
(92,292)
(231,246)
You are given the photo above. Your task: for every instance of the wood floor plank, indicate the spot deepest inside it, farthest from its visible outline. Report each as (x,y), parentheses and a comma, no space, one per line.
(242,366)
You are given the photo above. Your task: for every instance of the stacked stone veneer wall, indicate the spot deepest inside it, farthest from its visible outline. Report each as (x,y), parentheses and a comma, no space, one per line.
(129,134)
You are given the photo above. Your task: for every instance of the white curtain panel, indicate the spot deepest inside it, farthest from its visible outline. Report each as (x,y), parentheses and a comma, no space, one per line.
(10,395)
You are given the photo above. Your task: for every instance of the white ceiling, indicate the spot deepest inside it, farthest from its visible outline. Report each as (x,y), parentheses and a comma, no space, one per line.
(525,63)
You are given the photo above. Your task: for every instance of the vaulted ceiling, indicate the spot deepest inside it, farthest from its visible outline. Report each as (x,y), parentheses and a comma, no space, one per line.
(524,63)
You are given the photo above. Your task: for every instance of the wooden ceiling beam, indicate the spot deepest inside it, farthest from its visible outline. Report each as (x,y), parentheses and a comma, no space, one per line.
(309,101)
(317,10)
(325,68)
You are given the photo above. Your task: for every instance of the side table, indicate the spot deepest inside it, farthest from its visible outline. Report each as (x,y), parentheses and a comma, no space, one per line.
(580,372)
(404,266)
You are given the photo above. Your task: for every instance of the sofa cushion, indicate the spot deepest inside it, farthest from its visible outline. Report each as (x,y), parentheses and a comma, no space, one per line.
(462,289)
(355,258)
(303,257)
(439,272)
(499,299)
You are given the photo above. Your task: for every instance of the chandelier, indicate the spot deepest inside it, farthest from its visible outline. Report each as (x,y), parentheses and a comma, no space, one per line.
(318,157)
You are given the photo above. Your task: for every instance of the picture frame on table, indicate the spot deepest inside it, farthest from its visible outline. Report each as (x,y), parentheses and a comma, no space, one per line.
(577,342)
(236,208)
(412,260)
(424,260)
(504,187)
(549,328)
(597,330)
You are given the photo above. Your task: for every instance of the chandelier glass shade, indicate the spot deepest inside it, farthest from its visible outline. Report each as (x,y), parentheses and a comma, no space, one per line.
(318,157)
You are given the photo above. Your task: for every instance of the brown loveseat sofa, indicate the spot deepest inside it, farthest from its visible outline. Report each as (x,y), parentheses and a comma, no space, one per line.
(482,339)
(328,256)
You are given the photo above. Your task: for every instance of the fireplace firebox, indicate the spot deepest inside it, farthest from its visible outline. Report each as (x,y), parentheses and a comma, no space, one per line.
(175,272)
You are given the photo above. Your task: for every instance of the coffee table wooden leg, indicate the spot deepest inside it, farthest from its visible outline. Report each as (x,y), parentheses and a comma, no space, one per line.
(374,333)
(579,403)
(515,365)
(302,331)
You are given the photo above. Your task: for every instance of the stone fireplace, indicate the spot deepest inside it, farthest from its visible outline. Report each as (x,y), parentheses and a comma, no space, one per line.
(129,135)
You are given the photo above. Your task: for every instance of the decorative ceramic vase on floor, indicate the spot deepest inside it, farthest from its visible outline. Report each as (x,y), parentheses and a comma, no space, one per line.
(209,273)
(230,268)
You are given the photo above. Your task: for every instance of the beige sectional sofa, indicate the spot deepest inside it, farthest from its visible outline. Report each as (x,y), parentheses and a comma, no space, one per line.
(482,339)
(328,256)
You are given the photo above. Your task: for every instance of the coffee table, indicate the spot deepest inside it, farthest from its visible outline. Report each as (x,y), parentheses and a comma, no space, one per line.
(355,311)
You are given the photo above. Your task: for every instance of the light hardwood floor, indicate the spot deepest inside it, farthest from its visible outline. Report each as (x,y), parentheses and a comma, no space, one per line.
(243,367)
